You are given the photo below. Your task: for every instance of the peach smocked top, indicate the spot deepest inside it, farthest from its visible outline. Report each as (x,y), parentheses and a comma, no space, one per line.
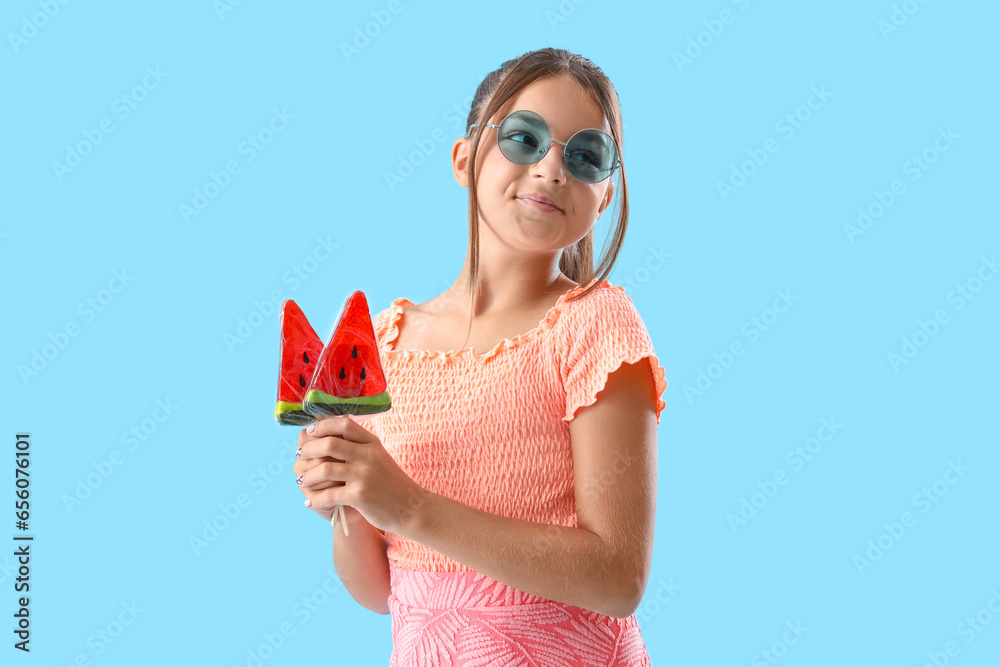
(492,431)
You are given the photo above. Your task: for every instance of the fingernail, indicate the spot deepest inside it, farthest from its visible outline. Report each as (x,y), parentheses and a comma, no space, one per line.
(309,503)
(298,480)
(298,453)
(312,428)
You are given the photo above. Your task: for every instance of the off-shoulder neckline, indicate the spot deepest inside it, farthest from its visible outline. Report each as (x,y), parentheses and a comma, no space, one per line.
(440,356)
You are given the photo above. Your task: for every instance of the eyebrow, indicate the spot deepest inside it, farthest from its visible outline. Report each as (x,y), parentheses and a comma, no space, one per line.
(588,127)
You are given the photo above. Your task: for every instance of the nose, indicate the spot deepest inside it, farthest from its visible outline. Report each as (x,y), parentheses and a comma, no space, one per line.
(552,165)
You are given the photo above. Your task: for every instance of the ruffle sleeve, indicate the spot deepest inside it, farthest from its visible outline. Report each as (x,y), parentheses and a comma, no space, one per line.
(602,331)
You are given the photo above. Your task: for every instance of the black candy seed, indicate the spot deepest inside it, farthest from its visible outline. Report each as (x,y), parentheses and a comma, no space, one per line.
(342,374)
(302,381)
(305,357)
(362,372)
(354,352)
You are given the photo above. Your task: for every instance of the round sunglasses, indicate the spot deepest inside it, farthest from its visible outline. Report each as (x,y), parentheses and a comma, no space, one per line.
(524,138)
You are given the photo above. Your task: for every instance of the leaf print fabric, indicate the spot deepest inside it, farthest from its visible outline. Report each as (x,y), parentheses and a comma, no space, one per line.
(466,619)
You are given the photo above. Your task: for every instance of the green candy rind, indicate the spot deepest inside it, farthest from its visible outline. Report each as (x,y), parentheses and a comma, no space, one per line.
(292,414)
(318,403)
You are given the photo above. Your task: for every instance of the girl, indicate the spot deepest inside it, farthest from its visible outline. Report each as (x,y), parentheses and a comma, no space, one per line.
(503,509)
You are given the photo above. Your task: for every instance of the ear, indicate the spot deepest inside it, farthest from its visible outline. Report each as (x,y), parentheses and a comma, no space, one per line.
(607,197)
(460,160)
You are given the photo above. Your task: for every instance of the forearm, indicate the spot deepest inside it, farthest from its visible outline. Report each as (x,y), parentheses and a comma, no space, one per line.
(361,562)
(569,565)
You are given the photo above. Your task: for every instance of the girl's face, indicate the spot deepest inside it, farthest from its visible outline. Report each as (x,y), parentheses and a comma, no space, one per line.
(504,188)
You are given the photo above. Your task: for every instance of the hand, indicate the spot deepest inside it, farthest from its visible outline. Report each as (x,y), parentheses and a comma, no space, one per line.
(302,465)
(342,463)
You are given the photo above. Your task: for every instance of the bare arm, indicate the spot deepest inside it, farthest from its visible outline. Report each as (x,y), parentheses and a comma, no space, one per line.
(602,565)
(360,559)
(361,562)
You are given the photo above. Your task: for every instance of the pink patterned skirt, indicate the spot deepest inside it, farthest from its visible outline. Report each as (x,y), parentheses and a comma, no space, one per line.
(452,619)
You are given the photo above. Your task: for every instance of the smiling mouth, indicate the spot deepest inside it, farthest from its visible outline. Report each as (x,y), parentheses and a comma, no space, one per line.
(537,205)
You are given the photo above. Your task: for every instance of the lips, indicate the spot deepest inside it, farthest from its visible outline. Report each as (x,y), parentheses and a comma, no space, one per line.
(540,198)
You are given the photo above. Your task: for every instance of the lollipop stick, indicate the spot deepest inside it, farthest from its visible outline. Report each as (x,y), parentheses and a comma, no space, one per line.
(343,519)
(340,508)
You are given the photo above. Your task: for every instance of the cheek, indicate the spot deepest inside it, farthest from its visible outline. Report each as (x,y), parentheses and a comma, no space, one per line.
(587,201)
(597,198)
(491,159)
(497,177)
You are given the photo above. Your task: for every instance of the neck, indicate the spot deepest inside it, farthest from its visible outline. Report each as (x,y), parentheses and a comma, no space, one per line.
(510,287)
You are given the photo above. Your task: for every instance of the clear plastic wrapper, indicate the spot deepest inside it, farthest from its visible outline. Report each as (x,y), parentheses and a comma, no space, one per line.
(343,377)
(300,351)
(349,378)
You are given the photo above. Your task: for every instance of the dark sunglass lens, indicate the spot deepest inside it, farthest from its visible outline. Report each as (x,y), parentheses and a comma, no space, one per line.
(523,137)
(592,155)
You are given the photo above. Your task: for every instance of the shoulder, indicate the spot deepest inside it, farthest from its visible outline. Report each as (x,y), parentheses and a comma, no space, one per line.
(606,305)
(380,319)
(602,335)
(384,315)
(385,320)
(599,322)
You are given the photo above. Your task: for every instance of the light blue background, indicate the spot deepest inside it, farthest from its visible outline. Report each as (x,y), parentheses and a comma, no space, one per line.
(323,176)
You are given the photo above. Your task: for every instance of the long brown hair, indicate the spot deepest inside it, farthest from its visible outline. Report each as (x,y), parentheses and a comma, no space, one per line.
(502,85)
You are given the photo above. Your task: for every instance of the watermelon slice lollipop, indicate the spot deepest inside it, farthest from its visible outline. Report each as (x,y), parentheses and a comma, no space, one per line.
(349,379)
(301,349)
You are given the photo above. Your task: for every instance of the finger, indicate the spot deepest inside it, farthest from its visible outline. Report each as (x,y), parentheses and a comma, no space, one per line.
(326,447)
(317,486)
(332,447)
(341,427)
(304,436)
(327,499)
(302,465)
(324,472)
(311,495)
